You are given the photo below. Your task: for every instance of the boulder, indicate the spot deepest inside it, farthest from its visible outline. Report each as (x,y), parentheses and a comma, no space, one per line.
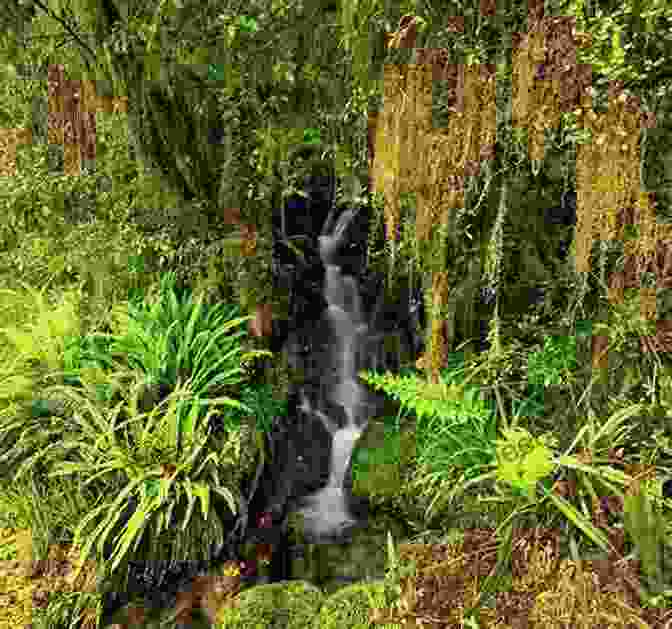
(384,463)
(284,605)
(298,604)
(330,566)
(351,606)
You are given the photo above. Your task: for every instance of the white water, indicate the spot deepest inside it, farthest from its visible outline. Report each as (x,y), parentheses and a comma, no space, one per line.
(325,513)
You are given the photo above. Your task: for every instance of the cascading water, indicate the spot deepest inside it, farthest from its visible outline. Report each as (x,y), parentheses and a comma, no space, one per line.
(325,513)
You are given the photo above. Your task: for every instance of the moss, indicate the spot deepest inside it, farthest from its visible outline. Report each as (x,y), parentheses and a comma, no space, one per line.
(351,606)
(286,605)
(385,463)
(297,604)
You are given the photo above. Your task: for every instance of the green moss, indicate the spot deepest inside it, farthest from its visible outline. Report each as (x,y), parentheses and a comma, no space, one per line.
(351,606)
(286,605)
(384,463)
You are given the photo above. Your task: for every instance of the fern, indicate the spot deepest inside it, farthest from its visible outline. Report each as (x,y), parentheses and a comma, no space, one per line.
(425,399)
(454,427)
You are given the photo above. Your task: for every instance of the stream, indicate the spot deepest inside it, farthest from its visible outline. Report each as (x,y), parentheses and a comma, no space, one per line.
(326,513)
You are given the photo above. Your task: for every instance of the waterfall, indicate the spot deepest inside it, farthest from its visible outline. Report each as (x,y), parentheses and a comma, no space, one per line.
(325,513)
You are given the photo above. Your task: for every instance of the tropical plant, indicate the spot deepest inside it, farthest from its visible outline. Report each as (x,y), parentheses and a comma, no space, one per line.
(81,351)
(177,338)
(49,508)
(587,469)
(87,355)
(522,460)
(166,469)
(30,346)
(90,444)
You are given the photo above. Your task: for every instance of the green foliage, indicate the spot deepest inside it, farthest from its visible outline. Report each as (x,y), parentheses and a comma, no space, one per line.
(65,609)
(167,340)
(424,398)
(31,201)
(84,351)
(170,340)
(647,528)
(97,450)
(630,41)
(389,453)
(532,405)
(175,336)
(626,323)
(263,407)
(247,24)
(554,362)
(74,229)
(522,460)
(42,339)
(455,426)
(14,95)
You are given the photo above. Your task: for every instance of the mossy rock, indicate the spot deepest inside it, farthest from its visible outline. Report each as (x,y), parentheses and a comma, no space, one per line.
(363,558)
(285,605)
(351,606)
(384,464)
(382,457)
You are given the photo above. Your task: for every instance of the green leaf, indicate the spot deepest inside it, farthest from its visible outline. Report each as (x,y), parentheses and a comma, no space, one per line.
(579,520)
(228,496)
(203,492)
(646,528)
(191,501)
(311,136)
(247,24)
(151,487)
(134,529)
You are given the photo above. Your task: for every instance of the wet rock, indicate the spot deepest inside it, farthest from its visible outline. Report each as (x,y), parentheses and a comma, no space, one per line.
(384,463)
(565,213)
(348,250)
(312,442)
(404,314)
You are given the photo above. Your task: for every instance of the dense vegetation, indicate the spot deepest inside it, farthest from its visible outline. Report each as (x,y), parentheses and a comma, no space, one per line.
(125,302)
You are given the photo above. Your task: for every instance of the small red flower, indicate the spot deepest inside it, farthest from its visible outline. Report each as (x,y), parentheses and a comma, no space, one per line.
(265,520)
(248,568)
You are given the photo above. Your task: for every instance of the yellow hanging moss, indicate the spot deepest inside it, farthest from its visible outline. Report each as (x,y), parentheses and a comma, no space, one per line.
(434,166)
(647,225)
(608,178)
(387,166)
(423,97)
(439,350)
